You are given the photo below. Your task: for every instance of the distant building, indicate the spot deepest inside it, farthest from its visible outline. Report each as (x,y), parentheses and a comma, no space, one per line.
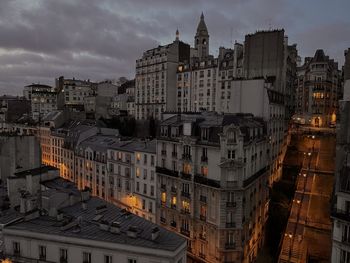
(155,80)
(213,177)
(18,153)
(341,206)
(13,108)
(76,90)
(318,89)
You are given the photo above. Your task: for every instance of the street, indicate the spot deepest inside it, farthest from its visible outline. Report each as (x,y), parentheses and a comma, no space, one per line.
(308,231)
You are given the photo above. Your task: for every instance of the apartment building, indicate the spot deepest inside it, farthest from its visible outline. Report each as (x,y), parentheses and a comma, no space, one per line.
(213,183)
(131,166)
(155,80)
(318,91)
(145,180)
(91,165)
(76,90)
(341,206)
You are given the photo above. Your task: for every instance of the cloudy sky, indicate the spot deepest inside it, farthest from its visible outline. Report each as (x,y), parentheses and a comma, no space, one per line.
(99,39)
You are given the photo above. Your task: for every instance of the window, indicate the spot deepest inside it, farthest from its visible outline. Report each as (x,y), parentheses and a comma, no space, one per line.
(16,248)
(138,157)
(132,260)
(152,175)
(344,256)
(152,160)
(143,204)
(163,197)
(173,202)
(86,257)
(63,255)
(144,174)
(145,189)
(108,259)
(137,172)
(42,252)
(145,159)
(231,154)
(186,206)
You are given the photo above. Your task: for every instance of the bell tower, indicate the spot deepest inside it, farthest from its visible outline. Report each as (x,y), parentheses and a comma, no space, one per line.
(201,39)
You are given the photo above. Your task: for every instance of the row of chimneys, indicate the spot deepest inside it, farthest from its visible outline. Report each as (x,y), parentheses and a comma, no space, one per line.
(115,228)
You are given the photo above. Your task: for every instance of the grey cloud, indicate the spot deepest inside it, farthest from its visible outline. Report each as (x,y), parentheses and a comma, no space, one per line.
(100,39)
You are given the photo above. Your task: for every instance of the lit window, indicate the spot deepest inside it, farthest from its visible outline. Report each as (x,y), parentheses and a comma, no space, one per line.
(163,197)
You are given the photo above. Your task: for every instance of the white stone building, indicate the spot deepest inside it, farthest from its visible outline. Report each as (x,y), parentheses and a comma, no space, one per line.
(155,81)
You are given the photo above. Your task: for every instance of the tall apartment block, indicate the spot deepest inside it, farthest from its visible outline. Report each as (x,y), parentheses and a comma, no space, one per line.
(318,91)
(155,80)
(213,175)
(341,208)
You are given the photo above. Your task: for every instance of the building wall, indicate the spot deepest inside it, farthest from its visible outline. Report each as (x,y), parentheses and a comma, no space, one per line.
(145,188)
(214,216)
(18,153)
(30,242)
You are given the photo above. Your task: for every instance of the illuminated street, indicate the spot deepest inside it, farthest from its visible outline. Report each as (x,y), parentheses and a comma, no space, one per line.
(308,232)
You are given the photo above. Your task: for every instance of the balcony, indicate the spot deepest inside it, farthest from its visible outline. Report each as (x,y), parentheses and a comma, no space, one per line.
(166,171)
(185,231)
(186,176)
(162,220)
(231,204)
(204,159)
(186,194)
(203,218)
(203,199)
(201,255)
(186,157)
(230,225)
(341,214)
(173,190)
(230,246)
(199,179)
(185,211)
(163,187)
(173,224)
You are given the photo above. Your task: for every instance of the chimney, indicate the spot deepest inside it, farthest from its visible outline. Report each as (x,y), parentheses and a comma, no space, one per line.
(59,217)
(85,194)
(23,204)
(155,233)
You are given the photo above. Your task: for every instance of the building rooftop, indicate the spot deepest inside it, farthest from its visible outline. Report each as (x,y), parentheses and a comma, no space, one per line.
(136,146)
(61,185)
(89,222)
(35,171)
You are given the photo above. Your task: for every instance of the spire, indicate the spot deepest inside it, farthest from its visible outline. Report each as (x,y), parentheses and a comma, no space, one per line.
(202,27)
(177,35)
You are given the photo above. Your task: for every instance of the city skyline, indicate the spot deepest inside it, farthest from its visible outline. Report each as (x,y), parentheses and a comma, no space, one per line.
(43,40)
